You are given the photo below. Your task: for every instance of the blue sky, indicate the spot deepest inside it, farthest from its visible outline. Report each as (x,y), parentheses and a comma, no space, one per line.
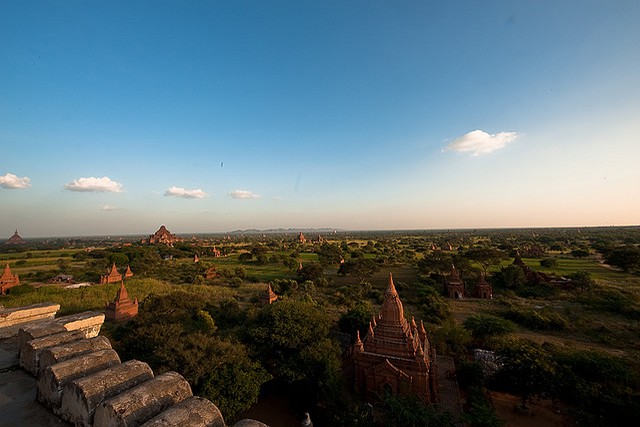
(119,116)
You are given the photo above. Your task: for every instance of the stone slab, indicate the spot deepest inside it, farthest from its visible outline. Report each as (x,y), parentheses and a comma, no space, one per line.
(31,350)
(11,319)
(194,411)
(53,379)
(90,322)
(53,355)
(142,403)
(81,397)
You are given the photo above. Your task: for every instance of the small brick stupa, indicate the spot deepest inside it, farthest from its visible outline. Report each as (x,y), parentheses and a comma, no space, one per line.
(8,280)
(128,273)
(121,308)
(454,285)
(483,288)
(395,355)
(112,276)
(268,297)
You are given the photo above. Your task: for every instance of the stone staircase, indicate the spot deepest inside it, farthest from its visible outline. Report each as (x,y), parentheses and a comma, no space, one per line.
(82,380)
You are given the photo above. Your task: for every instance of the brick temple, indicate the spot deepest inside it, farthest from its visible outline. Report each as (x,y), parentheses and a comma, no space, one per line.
(121,308)
(483,288)
(453,285)
(8,280)
(395,355)
(15,239)
(162,237)
(112,276)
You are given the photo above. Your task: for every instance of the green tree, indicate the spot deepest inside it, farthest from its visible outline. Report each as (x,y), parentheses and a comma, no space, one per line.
(329,253)
(359,267)
(582,280)
(356,318)
(526,370)
(483,326)
(486,257)
(310,271)
(625,257)
(176,332)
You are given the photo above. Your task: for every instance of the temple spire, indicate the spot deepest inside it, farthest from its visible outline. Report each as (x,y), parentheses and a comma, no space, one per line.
(391,289)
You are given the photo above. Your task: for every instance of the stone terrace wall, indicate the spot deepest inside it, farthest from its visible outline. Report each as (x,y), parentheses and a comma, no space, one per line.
(82,380)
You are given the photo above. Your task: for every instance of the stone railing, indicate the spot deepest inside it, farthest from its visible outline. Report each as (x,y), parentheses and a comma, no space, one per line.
(82,380)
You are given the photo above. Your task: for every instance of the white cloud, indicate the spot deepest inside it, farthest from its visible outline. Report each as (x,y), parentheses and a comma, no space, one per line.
(108,208)
(243,194)
(13,182)
(104,184)
(184,193)
(480,142)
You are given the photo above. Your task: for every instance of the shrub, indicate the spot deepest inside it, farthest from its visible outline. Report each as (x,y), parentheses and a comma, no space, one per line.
(541,320)
(482,326)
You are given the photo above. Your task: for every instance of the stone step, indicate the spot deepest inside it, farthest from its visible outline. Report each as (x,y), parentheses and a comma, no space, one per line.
(194,411)
(140,404)
(53,379)
(81,397)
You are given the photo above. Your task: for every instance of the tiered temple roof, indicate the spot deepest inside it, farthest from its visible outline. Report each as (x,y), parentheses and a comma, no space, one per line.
(15,239)
(163,237)
(395,355)
(112,276)
(121,307)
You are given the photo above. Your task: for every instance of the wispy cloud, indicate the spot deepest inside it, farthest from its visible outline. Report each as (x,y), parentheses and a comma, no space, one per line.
(184,193)
(243,194)
(13,182)
(480,142)
(93,184)
(109,208)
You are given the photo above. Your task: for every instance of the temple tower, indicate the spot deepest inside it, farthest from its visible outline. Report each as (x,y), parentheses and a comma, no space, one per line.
(454,285)
(395,356)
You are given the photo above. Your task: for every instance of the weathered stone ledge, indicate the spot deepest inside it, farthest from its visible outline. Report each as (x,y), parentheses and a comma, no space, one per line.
(11,319)
(143,402)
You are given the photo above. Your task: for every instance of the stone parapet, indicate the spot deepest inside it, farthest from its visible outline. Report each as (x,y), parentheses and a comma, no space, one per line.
(53,355)
(194,411)
(89,322)
(81,397)
(141,403)
(11,319)
(82,380)
(30,351)
(54,378)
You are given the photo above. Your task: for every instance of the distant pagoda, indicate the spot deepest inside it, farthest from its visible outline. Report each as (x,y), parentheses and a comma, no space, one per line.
(15,239)
(162,237)
(112,276)
(8,280)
